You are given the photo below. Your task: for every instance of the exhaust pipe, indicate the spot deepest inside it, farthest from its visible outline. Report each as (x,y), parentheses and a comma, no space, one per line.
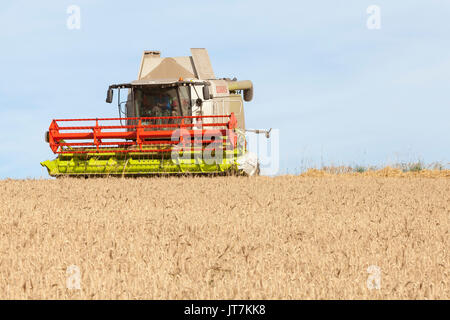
(245,85)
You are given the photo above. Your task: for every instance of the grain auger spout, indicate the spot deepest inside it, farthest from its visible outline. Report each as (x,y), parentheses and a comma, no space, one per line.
(176,118)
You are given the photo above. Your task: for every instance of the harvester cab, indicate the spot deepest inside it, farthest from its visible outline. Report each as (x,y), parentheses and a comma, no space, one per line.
(177,118)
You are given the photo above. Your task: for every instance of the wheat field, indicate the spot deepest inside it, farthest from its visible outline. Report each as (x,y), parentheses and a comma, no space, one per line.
(314,236)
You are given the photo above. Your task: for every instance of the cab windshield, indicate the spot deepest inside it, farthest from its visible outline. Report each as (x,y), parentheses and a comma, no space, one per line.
(162,102)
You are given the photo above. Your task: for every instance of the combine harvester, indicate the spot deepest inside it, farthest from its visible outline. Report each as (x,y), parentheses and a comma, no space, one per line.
(178,119)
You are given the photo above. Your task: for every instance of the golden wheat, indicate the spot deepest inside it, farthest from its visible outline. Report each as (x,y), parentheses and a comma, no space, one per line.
(288,237)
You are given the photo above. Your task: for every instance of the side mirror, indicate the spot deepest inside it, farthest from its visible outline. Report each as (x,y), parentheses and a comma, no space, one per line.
(109,95)
(206,95)
(248,94)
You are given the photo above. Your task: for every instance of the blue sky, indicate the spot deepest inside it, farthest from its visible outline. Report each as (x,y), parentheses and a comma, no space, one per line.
(338,92)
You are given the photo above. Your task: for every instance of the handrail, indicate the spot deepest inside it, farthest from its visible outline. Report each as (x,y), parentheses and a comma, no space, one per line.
(141,135)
